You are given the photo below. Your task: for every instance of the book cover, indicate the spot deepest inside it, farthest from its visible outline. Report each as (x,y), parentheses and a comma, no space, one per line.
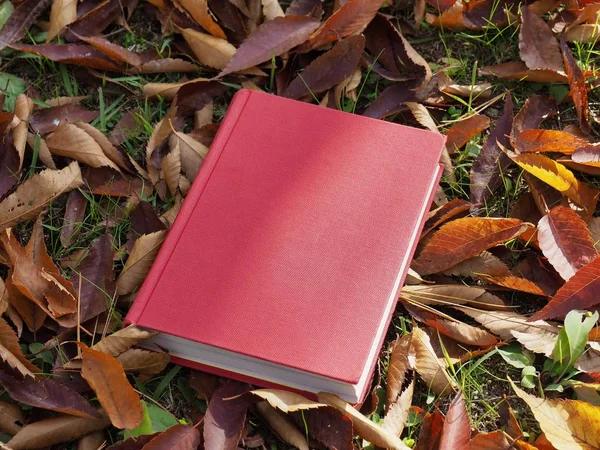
(292,243)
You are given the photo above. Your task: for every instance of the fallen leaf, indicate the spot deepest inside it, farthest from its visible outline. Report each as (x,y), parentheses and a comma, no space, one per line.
(177,437)
(462,239)
(535,110)
(456,431)
(126,128)
(122,340)
(465,130)
(579,292)
(97,279)
(431,430)
(363,426)
(282,426)
(62,14)
(494,440)
(391,99)
(566,241)
(444,213)
(428,365)
(92,441)
(577,87)
(107,378)
(209,50)
(537,336)
(139,262)
(74,142)
(192,154)
(350,18)
(538,47)
(286,401)
(271,39)
(393,56)
(567,424)
(517,70)
(113,51)
(171,167)
(271,9)
(11,418)
(198,9)
(25,13)
(9,165)
(74,216)
(143,361)
(225,417)
(452,294)
(329,69)
(398,411)
(534,140)
(327,425)
(47,394)
(78,54)
(554,174)
(10,342)
(398,367)
(55,431)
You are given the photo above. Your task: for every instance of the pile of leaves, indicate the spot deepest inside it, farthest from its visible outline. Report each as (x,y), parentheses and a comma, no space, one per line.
(85,207)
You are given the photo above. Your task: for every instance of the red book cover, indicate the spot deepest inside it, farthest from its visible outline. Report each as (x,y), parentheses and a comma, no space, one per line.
(284,263)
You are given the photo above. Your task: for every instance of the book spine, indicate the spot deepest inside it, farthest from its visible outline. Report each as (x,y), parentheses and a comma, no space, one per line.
(216,149)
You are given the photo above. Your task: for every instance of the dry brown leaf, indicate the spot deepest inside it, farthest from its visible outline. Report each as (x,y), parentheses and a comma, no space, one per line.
(63,13)
(122,340)
(282,426)
(92,441)
(107,378)
(23,108)
(55,431)
(73,142)
(10,344)
(397,413)
(139,262)
(363,426)
(191,151)
(286,401)
(35,193)
(171,167)
(11,418)
(143,361)
(43,151)
(452,294)
(209,50)
(271,9)
(110,151)
(398,366)
(428,365)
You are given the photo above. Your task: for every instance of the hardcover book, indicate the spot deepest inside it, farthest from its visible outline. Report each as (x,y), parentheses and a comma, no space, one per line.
(284,264)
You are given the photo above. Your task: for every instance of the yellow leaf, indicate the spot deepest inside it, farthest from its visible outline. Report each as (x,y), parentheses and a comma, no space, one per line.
(568,424)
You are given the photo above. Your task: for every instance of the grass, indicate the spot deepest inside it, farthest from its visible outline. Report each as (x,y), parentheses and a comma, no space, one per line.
(482,379)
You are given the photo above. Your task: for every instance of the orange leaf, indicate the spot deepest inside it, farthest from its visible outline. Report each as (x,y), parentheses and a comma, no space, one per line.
(566,241)
(198,9)
(548,141)
(351,17)
(107,378)
(462,239)
(578,89)
(580,292)
(461,133)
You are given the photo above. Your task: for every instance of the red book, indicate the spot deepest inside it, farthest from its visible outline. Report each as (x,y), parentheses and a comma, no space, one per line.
(284,264)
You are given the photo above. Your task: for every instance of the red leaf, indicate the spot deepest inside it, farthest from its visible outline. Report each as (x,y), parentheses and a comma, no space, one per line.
(9,165)
(391,100)
(271,39)
(431,430)
(79,54)
(329,69)
(113,51)
(566,241)
(537,45)
(178,437)
(125,128)
(329,426)
(224,420)
(20,20)
(492,161)
(578,89)
(535,110)
(580,292)
(456,432)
